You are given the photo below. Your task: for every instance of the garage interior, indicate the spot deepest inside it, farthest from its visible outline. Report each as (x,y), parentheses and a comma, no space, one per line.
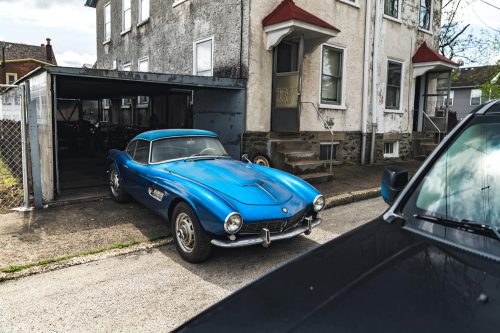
(98,110)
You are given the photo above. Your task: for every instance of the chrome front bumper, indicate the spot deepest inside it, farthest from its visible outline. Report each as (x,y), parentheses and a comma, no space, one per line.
(266,237)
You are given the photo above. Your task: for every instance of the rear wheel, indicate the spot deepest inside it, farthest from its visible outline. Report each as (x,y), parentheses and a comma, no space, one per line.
(191,241)
(115,185)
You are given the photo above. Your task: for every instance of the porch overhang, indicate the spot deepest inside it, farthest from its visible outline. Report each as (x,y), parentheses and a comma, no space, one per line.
(313,35)
(427,60)
(289,20)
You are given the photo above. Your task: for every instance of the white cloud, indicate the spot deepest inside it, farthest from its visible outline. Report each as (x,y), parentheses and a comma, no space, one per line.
(32,13)
(73,59)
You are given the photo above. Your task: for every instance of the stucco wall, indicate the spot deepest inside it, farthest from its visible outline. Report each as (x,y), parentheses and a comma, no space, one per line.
(398,41)
(169,35)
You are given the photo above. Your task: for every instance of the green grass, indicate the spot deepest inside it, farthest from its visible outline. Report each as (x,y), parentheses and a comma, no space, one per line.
(11,189)
(17,268)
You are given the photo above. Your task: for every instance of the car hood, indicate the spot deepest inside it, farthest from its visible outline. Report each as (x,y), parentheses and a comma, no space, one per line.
(235,179)
(378,278)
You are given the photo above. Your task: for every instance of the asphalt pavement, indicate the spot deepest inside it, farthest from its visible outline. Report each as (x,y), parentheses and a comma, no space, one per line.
(155,290)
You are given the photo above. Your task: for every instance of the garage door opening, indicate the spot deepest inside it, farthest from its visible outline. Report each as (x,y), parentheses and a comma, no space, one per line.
(95,111)
(88,129)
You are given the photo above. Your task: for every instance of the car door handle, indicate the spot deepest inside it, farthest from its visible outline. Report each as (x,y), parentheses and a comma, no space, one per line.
(125,166)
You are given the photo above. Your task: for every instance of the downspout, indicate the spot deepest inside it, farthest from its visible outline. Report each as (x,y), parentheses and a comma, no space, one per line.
(366,65)
(376,42)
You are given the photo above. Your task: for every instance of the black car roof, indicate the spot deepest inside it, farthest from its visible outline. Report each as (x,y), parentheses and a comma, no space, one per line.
(490,107)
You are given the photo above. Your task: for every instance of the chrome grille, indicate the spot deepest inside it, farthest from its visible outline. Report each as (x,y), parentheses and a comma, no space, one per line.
(256,227)
(296,219)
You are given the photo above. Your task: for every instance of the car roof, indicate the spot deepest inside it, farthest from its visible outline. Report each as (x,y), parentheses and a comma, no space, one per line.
(489,107)
(166,133)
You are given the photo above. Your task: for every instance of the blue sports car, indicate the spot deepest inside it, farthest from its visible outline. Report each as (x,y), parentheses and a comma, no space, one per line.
(210,199)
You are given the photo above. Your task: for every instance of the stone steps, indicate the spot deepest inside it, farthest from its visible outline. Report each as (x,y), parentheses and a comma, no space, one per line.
(299,155)
(305,166)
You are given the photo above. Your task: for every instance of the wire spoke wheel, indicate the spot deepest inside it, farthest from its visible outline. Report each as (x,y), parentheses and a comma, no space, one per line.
(184,232)
(114,182)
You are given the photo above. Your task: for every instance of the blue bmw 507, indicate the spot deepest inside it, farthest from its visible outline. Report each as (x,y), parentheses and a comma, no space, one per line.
(210,199)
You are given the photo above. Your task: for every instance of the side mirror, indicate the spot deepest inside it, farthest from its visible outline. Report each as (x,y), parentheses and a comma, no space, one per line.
(244,157)
(394,180)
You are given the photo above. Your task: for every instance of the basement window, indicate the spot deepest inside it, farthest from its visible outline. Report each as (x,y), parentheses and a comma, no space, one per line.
(391,149)
(326,149)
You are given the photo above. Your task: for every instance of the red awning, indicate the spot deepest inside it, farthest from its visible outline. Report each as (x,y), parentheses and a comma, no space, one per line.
(289,20)
(288,10)
(426,54)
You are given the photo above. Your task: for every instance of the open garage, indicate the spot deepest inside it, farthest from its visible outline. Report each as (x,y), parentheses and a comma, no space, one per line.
(82,113)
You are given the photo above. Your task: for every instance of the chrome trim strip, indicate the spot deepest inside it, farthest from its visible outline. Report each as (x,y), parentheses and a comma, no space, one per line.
(486,107)
(255,240)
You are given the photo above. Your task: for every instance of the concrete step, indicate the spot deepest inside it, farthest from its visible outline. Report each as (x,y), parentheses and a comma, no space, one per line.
(299,155)
(304,167)
(317,178)
(428,147)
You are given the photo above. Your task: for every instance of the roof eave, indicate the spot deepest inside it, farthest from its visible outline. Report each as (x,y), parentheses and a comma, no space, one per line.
(91,3)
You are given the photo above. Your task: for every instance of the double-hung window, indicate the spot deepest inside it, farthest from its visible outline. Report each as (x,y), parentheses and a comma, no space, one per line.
(203,57)
(391,8)
(475,96)
(107,22)
(126,68)
(448,101)
(143,10)
(143,66)
(332,69)
(393,87)
(425,11)
(126,15)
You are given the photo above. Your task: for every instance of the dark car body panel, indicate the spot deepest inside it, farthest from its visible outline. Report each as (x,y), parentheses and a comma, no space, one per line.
(376,278)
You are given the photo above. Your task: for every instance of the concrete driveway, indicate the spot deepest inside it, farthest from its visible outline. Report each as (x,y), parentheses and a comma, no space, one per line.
(153,291)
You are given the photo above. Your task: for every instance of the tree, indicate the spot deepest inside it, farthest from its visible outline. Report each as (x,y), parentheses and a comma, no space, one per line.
(457,41)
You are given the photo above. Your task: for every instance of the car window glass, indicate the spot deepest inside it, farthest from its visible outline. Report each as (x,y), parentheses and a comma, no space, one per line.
(464,184)
(174,148)
(131,148)
(142,152)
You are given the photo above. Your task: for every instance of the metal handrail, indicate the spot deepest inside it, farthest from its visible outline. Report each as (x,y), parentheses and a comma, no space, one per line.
(327,126)
(433,124)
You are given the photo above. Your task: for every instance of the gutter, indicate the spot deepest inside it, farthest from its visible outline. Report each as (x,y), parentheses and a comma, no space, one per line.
(376,42)
(366,67)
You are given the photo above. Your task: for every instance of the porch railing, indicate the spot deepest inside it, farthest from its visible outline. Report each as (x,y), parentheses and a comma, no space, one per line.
(433,124)
(329,128)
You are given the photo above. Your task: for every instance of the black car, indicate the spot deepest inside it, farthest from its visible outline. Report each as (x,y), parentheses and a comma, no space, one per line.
(431,263)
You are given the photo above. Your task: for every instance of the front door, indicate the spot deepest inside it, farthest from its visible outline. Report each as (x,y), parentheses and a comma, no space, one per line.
(285,116)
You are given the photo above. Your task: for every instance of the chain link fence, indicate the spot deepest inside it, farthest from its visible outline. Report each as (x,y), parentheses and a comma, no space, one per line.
(11,155)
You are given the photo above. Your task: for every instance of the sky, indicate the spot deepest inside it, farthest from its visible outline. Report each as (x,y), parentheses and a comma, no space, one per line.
(71,25)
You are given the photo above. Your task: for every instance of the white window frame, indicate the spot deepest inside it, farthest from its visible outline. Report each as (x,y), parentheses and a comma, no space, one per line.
(195,55)
(471,96)
(342,105)
(431,17)
(143,20)
(395,149)
(452,98)
(392,18)
(7,77)
(354,3)
(127,102)
(401,87)
(107,38)
(177,3)
(124,28)
(142,101)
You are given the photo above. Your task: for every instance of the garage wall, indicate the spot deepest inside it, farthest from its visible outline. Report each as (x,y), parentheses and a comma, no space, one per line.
(222,112)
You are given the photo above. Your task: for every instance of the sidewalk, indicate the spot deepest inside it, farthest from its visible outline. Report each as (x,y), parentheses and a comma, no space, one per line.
(92,227)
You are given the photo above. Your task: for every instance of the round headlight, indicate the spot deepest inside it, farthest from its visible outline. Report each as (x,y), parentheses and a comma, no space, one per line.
(319,203)
(233,223)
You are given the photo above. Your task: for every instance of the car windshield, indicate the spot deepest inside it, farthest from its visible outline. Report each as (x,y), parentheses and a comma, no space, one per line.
(184,147)
(464,184)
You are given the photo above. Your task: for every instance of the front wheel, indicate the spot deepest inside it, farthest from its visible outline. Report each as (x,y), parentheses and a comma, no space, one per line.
(191,241)
(115,185)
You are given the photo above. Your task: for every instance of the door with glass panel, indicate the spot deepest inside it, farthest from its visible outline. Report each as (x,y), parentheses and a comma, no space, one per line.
(285,115)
